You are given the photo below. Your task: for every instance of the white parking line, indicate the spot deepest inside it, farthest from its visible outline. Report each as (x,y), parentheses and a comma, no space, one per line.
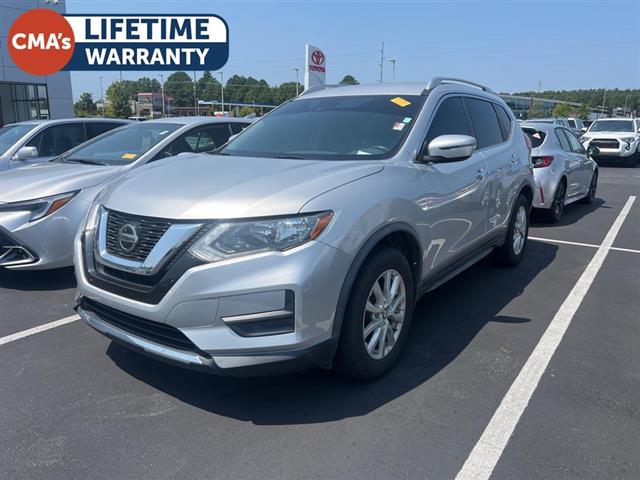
(38,329)
(486,453)
(565,242)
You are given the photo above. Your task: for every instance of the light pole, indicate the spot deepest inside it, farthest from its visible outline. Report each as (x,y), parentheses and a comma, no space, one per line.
(222,90)
(162,92)
(297,83)
(195,95)
(101,95)
(393,69)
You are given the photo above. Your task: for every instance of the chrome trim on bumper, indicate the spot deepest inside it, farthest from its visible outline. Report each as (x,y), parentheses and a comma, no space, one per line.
(171,354)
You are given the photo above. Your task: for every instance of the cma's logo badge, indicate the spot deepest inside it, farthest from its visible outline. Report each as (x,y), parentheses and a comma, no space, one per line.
(128,237)
(42,42)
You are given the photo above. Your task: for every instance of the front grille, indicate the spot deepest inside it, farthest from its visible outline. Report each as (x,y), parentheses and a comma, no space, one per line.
(156,332)
(605,143)
(149,231)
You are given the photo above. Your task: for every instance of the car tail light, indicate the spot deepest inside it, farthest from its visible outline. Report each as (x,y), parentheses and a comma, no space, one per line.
(539,162)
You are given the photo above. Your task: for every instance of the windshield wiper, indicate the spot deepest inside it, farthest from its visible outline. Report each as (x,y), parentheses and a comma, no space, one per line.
(291,157)
(84,161)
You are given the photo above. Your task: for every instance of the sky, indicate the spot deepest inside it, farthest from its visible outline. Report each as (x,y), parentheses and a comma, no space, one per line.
(508,45)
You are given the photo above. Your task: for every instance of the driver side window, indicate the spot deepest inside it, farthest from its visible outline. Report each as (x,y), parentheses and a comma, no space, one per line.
(450,119)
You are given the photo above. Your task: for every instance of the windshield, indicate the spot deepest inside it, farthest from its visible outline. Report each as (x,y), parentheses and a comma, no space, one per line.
(122,145)
(10,134)
(331,128)
(612,126)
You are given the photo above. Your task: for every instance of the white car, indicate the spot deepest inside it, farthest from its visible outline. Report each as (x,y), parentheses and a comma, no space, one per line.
(615,138)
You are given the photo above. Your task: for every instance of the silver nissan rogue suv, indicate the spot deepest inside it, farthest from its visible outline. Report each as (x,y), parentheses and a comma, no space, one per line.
(308,238)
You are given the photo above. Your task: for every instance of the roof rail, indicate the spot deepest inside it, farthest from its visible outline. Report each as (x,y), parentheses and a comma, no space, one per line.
(437,81)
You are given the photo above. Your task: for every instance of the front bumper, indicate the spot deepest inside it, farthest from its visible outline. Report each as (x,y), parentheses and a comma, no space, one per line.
(202,304)
(624,149)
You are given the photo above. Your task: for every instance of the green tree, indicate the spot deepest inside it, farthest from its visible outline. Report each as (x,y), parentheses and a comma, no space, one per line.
(537,109)
(146,85)
(562,110)
(208,87)
(244,111)
(584,112)
(85,106)
(349,80)
(118,100)
(179,85)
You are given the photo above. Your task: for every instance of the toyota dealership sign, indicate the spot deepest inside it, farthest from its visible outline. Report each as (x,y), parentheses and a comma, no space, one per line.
(315,67)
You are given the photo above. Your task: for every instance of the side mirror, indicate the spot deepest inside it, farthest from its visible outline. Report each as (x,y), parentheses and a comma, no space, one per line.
(450,148)
(591,151)
(583,129)
(25,153)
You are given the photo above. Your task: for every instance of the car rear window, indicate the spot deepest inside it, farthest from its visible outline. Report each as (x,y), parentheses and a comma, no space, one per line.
(535,136)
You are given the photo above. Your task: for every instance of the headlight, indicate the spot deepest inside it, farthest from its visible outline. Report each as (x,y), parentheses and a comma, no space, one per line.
(39,207)
(629,139)
(230,239)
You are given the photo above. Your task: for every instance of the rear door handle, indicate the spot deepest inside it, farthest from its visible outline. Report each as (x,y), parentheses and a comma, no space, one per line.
(481,173)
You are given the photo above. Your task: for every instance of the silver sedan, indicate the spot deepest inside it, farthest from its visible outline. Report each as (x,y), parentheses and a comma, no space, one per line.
(41,206)
(564,171)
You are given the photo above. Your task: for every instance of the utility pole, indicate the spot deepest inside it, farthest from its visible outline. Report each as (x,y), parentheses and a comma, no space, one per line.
(381,61)
(102,96)
(393,69)
(624,110)
(195,95)
(604,101)
(297,83)
(222,90)
(162,93)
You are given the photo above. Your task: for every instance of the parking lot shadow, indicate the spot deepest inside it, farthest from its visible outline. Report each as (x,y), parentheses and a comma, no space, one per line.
(445,322)
(58,279)
(572,214)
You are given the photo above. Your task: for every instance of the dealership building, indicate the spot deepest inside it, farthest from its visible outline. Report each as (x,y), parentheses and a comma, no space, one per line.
(24,96)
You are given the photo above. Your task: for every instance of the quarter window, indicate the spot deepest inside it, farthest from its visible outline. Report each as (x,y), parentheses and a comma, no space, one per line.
(485,122)
(505,121)
(574,143)
(450,119)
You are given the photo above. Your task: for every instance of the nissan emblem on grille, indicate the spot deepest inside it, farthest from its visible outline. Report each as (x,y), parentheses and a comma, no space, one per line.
(128,237)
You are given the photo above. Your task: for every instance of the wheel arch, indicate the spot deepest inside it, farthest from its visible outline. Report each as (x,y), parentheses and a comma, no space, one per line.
(400,235)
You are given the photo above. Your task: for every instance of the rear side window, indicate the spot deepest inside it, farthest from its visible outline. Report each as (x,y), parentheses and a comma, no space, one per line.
(485,122)
(57,139)
(574,143)
(535,136)
(564,143)
(450,119)
(98,128)
(505,121)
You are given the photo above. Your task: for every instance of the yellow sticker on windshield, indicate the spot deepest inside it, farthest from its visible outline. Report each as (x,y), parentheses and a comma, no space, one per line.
(129,156)
(401,101)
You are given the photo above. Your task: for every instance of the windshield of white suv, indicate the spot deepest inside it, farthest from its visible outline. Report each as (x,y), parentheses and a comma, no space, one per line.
(331,128)
(612,126)
(122,145)
(10,134)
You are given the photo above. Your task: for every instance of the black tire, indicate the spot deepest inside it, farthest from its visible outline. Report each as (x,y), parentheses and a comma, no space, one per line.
(553,214)
(507,255)
(352,358)
(593,186)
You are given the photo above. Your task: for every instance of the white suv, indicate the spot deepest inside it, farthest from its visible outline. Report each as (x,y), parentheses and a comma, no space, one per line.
(615,137)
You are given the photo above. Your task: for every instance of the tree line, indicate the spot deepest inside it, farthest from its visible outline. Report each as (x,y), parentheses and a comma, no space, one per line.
(180,87)
(592,98)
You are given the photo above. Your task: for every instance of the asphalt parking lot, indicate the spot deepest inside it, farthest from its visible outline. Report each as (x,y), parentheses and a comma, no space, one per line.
(74,405)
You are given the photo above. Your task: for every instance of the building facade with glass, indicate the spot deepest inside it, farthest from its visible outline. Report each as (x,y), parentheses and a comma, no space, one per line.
(24,96)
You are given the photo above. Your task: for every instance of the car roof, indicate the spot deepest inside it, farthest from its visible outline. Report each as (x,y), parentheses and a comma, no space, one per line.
(613,119)
(198,120)
(545,127)
(53,121)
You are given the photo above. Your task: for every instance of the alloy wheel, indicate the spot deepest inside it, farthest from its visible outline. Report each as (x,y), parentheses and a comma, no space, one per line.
(384,314)
(519,230)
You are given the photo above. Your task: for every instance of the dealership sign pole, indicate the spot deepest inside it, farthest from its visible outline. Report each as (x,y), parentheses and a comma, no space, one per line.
(314,67)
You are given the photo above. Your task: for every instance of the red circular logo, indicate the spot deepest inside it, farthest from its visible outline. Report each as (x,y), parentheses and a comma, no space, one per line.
(318,57)
(41,41)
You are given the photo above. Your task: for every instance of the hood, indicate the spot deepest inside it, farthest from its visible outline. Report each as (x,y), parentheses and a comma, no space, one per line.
(203,186)
(608,134)
(51,178)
